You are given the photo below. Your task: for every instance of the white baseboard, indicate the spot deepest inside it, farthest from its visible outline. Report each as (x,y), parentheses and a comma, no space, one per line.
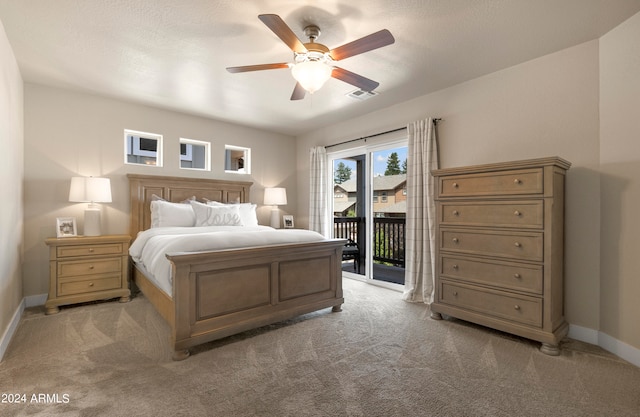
(11,329)
(35,300)
(606,342)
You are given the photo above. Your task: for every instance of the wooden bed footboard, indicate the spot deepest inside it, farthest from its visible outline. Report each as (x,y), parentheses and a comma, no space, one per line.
(218,294)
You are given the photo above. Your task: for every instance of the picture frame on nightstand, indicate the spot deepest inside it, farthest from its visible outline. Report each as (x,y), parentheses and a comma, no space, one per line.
(66,227)
(287,219)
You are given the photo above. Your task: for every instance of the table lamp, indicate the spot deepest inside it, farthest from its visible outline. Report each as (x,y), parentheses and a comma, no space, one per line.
(275,197)
(90,190)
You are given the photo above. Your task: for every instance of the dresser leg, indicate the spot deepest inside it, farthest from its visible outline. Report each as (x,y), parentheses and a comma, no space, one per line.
(180,355)
(436,316)
(52,310)
(549,349)
(337,308)
(125,299)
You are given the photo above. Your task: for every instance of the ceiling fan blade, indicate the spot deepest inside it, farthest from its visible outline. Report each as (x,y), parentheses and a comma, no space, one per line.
(352,78)
(368,43)
(259,67)
(298,92)
(284,32)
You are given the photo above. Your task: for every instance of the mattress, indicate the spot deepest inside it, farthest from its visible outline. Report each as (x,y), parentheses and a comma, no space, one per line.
(151,246)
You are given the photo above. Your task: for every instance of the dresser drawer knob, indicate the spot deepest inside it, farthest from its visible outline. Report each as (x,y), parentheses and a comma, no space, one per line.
(517,307)
(91,266)
(518,244)
(516,276)
(91,250)
(91,284)
(455,185)
(517,181)
(517,213)
(455,240)
(455,293)
(455,266)
(456,213)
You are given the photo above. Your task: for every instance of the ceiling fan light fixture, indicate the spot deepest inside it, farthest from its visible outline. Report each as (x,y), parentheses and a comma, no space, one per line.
(311,74)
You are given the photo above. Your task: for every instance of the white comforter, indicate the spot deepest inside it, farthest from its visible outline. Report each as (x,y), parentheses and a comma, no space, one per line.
(151,246)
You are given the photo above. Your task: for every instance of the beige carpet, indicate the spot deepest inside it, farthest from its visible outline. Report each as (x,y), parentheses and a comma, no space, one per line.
(379,357)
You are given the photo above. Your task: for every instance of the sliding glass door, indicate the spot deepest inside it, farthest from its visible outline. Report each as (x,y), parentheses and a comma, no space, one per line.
(369,210)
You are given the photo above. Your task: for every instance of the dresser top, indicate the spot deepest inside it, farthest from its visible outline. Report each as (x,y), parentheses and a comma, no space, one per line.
(502,166)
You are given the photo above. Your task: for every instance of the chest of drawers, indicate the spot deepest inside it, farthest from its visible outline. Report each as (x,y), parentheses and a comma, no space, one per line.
(85,269)
(500,243)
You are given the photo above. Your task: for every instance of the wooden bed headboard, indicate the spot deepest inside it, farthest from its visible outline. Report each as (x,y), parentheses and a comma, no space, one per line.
(175,189)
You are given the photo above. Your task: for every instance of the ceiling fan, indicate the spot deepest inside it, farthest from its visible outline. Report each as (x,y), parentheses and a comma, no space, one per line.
(313,62)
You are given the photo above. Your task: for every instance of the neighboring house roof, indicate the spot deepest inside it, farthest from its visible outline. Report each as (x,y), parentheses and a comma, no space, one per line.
(400,207)
(342,206)
(383,182)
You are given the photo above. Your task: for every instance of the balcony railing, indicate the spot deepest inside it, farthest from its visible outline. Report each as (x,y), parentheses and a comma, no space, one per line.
(389,236)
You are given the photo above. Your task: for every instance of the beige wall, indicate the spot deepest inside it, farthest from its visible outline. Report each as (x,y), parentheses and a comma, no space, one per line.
(545,107)
(11,171)
(69,134)
(620,177)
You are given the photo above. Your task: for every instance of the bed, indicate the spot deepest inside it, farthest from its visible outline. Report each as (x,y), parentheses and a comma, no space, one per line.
(218,293)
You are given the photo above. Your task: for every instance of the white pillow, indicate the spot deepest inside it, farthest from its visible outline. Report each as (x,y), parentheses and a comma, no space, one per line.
(248,213)
(167,214)
(209,215)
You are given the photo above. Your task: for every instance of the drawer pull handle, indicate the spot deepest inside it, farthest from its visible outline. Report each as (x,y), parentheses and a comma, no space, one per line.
(517,307)
(517,181)
(455,266)
(517,213)
(91,284)
(455,212)
(518,244)
(516,275)
(455,185)
(455,240)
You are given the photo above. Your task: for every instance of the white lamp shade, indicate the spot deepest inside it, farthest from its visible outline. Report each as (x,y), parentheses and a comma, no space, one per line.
(90,190)
(276,196)
(311,74)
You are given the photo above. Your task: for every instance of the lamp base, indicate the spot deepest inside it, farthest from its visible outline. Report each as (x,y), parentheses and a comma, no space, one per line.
(92,222)
(275,218)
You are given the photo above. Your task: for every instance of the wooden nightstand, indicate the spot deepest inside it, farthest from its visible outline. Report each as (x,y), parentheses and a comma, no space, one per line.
(86,268)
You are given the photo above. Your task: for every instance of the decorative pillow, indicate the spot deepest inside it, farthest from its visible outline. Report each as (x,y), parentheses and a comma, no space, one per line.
(167,214)
(209,215)
(248,213)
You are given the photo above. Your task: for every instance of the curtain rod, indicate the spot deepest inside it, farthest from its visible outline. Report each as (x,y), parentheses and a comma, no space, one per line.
(373,136)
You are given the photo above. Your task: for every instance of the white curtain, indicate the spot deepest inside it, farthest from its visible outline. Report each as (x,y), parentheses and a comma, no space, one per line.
(420,248)
(318,190)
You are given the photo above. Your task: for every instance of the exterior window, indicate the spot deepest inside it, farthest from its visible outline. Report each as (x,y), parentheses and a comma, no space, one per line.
(142,148)
(195,154)
(383,196)
(237,160)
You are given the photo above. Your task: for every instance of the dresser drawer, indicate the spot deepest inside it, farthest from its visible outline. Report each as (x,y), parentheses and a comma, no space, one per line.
(513,307)
(89,267)
(508,275)
(514,245)
(522,181)
(89,250)
(71,287)
(522,214)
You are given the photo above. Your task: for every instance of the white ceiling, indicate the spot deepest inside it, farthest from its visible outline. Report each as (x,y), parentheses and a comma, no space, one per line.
(173,53)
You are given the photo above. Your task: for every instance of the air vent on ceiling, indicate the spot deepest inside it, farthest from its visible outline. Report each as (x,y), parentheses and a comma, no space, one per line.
(361,94)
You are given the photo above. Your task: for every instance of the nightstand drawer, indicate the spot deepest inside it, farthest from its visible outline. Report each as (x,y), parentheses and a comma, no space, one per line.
(521,309)
(92,267)
(89,250)
(529,181)
(87,286)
